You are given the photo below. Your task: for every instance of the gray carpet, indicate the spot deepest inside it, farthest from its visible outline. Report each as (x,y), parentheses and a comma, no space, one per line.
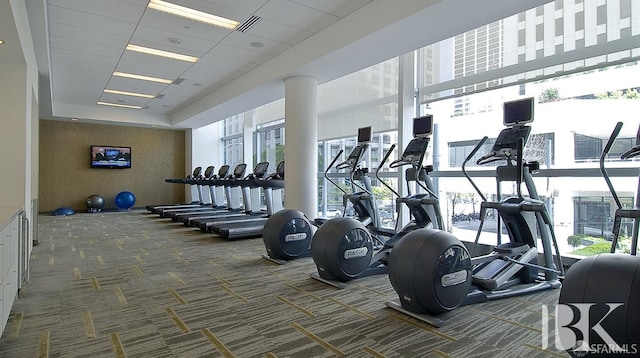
(135,285)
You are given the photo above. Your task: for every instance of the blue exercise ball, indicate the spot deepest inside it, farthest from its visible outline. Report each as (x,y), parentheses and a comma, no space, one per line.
(125,200)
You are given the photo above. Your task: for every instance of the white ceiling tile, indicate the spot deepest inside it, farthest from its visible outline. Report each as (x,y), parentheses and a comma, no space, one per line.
(180,27)
(83,20)
(115,9)
(244,40)
(88,48)
(245,6)
(86,36)
(296,15)
(279,32)
(333,7)
(237,54)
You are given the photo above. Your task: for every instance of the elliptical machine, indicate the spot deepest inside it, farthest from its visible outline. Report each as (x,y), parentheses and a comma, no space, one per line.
(344,249)
(606,279)
(287,234)
(433,272)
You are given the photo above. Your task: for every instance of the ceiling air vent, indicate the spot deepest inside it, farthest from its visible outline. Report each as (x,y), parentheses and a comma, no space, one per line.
(160,95)
(178,81)
(248,24)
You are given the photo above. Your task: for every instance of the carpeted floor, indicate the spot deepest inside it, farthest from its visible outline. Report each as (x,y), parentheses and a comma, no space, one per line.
(135,285)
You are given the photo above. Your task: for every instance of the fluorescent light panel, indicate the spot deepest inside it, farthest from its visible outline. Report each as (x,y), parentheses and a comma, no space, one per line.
(166,54)
(118,105)
(124,93)
(141,77)
(192,14)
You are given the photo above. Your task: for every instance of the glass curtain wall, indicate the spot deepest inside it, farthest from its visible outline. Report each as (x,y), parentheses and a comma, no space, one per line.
(364,98)
(579,60)
(232,141)
(270,144)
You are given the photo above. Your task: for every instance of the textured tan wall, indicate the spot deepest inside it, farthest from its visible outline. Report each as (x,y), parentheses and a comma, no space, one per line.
(66,178)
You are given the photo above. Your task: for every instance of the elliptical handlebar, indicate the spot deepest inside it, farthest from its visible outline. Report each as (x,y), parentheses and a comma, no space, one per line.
(384,160)
(326,172)
(468,158)
(635,150)
(605,152)
(520,167)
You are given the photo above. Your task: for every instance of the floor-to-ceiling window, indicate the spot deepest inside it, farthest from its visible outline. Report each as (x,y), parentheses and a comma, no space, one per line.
(232,141)
(579,60)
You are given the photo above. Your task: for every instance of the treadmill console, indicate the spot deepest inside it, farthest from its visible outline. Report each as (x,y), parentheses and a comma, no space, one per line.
(223,171)
(280,170)
(208,173)
(261,169)
(238,172)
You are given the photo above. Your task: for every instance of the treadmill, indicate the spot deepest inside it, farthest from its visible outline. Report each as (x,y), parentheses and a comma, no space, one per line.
(217,186)
(185,181)
(173,213)
(272,186)
(251,199)
(204,201)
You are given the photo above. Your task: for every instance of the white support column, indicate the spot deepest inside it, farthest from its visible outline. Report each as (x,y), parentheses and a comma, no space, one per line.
(406,113)
(301,138)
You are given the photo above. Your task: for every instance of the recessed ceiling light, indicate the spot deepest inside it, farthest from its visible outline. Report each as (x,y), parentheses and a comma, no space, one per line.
(118,105)
(125,93)
(1,41)
(256,44)
(192,14)
(141,77)
(74,119)
(166,54)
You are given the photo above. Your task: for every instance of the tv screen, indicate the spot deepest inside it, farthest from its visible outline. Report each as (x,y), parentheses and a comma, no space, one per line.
(518,112)
(423,126)
(364,135)
(103,156)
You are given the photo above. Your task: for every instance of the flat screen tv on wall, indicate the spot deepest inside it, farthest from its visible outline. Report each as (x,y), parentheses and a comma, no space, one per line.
(104,156)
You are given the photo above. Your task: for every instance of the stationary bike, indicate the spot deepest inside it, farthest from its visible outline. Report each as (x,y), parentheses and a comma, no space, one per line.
(288,233)
(344,249)
(433,272)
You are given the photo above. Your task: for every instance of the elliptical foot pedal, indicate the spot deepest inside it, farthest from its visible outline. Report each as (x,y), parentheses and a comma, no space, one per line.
(275,261)
(336,284)
(430,320)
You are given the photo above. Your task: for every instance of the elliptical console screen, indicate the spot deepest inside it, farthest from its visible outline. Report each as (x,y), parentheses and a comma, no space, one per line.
(508,138)
(356,153)
(364,135)
(423,126)
(416,149)
(518,112)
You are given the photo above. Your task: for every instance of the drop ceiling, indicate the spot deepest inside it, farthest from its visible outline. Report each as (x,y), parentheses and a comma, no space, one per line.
(79,44)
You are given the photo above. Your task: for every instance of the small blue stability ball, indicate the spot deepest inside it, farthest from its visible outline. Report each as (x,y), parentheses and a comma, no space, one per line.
(125,200)
(64,211)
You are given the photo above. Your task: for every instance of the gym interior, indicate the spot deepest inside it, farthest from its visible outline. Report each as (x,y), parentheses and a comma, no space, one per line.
(451,189)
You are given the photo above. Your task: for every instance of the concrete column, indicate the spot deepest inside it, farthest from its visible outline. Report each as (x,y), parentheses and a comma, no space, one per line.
(406,113)
(301,138)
